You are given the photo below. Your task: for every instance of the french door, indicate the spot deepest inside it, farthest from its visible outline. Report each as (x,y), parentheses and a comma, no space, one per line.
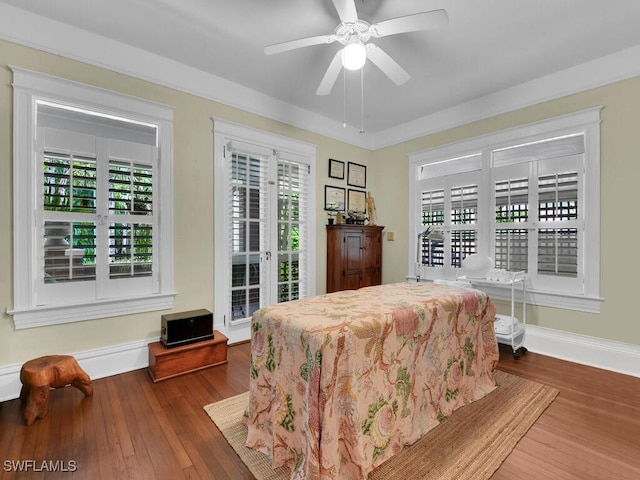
(264,258)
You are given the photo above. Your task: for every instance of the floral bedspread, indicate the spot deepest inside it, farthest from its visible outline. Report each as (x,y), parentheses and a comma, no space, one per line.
(341,382)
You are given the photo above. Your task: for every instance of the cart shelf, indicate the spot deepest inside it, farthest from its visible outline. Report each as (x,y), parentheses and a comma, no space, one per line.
(516,337)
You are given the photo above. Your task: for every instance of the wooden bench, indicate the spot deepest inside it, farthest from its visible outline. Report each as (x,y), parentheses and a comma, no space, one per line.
(39,375)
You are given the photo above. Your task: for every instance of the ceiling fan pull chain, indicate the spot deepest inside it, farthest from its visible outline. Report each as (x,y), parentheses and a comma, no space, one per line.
(362,100)
(344,98)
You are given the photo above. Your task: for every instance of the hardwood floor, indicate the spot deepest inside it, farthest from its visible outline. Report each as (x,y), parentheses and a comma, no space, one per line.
(133,428)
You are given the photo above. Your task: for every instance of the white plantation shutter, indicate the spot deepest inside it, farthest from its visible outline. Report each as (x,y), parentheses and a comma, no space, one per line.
(511,207)
(560,220)
(537,200)
(69,191)
(130,210)
(453,203)
(432,203)
(464,217)
(96,219)
(131,218)
(66,209)
(248,179)
(293,228)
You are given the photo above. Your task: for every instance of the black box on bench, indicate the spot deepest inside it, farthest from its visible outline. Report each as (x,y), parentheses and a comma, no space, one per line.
(183,328)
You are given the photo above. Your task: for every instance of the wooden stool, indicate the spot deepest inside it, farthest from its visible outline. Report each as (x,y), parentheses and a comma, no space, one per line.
(39,375)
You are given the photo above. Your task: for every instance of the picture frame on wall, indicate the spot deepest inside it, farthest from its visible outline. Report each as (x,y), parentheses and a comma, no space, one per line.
(334,198)
(357,175)
(357,201)
(336,169)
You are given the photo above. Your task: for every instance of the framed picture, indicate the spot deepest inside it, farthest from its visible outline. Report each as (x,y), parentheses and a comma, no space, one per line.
(334,198)
(357,175)
(357,201)
(336,169)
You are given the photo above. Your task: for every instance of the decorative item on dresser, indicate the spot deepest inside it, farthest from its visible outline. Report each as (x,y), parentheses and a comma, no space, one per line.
(354,256)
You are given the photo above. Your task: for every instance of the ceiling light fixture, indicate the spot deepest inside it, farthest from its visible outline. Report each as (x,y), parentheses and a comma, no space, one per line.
(354,54)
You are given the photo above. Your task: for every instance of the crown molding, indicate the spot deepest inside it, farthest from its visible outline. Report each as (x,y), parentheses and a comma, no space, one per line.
(613,68)
(25,28)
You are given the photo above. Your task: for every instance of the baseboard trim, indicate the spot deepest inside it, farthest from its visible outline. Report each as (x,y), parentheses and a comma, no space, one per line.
(596,352)
(98,363)
(592,351)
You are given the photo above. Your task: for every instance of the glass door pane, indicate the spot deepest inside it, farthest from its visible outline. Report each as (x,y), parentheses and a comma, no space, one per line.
(249,240)
(292,178)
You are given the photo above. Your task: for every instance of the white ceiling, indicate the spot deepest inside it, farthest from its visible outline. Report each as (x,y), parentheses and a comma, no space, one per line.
(489,46)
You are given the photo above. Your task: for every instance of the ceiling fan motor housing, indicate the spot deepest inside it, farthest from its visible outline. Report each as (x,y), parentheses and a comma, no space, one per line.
(345,31)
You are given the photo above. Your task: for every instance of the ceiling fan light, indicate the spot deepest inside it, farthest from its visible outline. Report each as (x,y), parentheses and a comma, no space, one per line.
(354,55)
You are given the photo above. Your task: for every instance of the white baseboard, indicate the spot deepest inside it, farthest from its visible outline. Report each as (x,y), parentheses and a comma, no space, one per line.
(596,352)
(98,363)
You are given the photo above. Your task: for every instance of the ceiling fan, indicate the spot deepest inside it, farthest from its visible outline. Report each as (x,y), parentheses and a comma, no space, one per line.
(355,34)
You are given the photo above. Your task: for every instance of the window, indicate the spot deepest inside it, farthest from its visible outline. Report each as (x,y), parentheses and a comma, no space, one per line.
(527,197)
(265,222)
(92,183)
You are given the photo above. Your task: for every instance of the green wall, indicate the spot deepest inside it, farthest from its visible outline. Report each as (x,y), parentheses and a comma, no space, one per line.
(387,179)
(620,230)
(193,185)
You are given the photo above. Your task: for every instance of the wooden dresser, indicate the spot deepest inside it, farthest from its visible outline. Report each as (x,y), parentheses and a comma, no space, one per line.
(354,256)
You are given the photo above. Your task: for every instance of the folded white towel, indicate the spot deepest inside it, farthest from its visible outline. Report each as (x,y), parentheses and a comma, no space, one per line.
(502,324)
(498,275)
(457,283)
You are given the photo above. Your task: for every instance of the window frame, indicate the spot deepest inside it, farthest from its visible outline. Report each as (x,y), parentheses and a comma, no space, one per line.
(587,123)
(29,88)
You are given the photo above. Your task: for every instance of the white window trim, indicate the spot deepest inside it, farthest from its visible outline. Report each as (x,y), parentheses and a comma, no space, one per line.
(587,122)
(225,132)
(30,87)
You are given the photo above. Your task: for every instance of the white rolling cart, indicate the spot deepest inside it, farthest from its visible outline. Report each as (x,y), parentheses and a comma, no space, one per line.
(515,334)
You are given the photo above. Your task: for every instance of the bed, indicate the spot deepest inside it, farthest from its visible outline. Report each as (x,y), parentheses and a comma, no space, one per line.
(341,382)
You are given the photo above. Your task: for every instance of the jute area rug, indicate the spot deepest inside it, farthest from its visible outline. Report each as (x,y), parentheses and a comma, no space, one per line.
(471,444)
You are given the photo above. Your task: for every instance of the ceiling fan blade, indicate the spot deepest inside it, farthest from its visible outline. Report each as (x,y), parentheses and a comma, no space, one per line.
(410,23)
(331,75)
(346,10)
(387,64)
(301,42)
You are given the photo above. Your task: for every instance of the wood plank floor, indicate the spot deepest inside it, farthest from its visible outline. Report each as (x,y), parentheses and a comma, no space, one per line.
(134,429)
